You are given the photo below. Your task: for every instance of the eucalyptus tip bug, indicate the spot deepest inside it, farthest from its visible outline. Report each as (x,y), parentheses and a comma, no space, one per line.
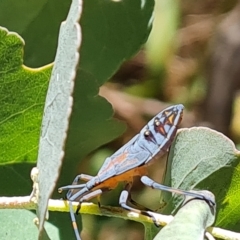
(130,160)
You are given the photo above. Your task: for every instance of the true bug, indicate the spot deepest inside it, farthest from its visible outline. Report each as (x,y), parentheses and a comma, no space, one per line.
(130,160)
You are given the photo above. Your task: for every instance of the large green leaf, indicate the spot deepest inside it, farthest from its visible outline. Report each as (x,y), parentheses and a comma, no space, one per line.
(18,224)
(114,37)
(58,108)
(190,221)
(39,27)
(22,95)
(202,158)
(112,32)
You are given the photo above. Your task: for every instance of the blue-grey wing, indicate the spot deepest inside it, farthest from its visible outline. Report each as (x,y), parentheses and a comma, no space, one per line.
(130,156)
(154,139)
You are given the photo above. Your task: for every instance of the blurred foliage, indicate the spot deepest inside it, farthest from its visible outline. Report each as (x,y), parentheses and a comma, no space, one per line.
(171,68)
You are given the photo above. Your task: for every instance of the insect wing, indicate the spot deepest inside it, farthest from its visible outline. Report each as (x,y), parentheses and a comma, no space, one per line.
(141,148)
(126,158)
(134,158)
(160,133)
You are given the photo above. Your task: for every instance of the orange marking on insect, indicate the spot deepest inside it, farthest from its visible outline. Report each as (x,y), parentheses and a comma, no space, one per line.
(161,130)
(74,225)
(170,119)
(115,161)
(112,182)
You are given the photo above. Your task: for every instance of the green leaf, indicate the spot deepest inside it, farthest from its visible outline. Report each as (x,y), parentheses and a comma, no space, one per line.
(22,94)
(39,28)
(18,224)
(18,11)
(202,158)
(112,32)
(58,108)
(150,231)
(114,37)
(190,222)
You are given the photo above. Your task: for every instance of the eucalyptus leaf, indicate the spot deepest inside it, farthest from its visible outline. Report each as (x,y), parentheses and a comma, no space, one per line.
(58,107)
(112,32)
(18,224)
(39,28)
(202,158)
(22,95)
(150,230)
(191,220)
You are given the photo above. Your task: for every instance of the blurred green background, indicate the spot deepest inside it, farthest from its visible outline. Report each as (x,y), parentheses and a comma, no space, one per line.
(191,57)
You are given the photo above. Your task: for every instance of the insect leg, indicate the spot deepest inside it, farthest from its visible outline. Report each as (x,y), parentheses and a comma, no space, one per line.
(75,184)
(149,182)
(84,177)
(136,204)
(74,223)
(91,195)
(123,200)
(85,198)
(71,187)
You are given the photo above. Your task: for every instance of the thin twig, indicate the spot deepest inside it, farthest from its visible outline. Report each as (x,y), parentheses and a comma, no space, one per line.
(90,208)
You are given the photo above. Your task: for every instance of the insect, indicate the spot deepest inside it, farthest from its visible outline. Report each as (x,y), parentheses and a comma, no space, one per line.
(132,159)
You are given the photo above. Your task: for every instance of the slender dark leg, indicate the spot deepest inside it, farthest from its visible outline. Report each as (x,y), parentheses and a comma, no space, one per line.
(84,177)
(75,184)
(124,199)
(149,182)
(74,223)
(72,197)
(138,205)
(85,198)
